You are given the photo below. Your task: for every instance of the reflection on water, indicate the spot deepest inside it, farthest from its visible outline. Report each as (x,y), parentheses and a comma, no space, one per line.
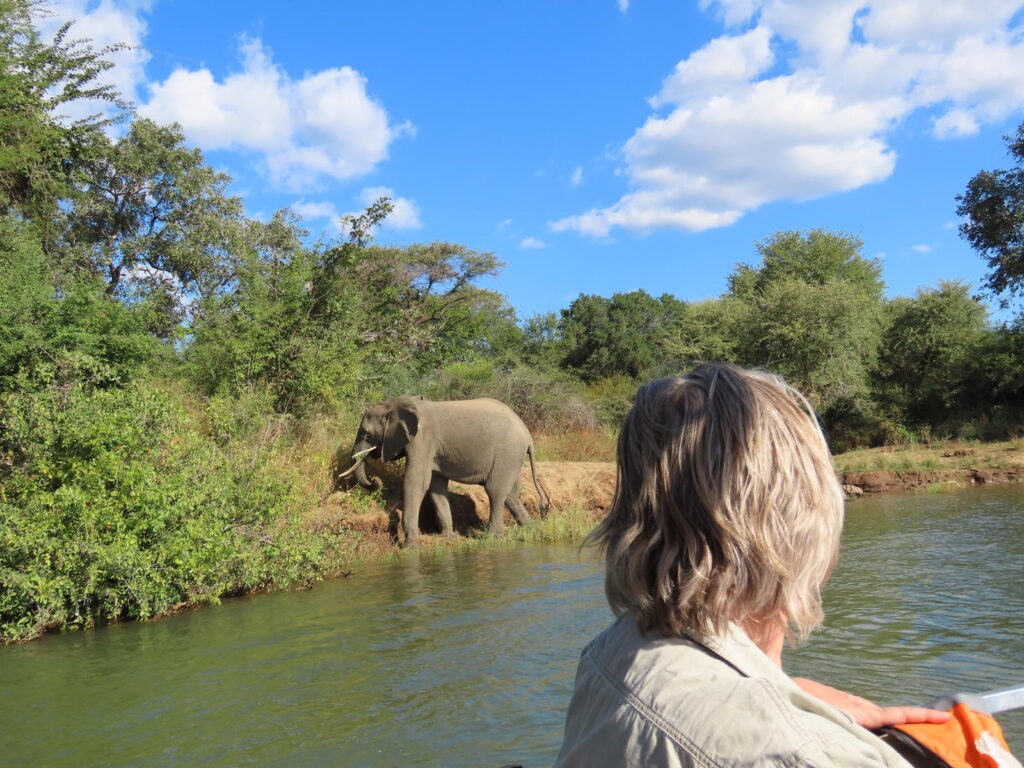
(468,659)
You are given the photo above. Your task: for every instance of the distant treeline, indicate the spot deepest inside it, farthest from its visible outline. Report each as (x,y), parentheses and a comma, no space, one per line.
(174,375)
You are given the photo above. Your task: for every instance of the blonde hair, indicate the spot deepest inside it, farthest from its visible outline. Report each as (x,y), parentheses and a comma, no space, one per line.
(726,507)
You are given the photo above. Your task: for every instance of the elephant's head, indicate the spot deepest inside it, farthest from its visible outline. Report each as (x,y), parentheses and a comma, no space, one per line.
(384,432)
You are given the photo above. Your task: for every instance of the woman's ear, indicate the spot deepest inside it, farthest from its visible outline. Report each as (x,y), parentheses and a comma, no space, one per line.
(403,421)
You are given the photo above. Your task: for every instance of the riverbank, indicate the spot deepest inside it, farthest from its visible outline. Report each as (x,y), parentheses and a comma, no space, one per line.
(581,491)
(303,543)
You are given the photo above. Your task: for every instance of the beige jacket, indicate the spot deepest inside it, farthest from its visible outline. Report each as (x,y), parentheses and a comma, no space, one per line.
(654,701)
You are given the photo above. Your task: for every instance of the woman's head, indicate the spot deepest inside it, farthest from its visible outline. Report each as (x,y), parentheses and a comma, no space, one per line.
(727,507)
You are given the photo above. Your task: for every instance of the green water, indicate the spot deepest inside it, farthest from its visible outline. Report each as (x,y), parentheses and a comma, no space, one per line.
(468,659)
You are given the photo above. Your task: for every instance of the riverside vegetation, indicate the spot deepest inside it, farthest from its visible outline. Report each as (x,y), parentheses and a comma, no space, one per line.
(175,376)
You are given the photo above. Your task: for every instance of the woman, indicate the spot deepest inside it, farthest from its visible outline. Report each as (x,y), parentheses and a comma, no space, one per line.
(724,528)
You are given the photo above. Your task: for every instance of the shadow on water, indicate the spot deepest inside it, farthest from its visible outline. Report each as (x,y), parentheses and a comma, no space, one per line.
(467,659)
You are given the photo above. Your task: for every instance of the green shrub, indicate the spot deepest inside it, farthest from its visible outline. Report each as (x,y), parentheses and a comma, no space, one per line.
(544,400)
(611,398)
(113,505)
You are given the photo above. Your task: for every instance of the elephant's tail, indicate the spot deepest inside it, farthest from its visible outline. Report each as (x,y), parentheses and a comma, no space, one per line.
(543,497)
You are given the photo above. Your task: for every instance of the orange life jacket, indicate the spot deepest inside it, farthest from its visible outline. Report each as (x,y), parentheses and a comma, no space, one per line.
(969,739)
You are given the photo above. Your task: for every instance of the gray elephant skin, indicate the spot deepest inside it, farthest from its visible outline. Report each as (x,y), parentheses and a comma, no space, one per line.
(476,442)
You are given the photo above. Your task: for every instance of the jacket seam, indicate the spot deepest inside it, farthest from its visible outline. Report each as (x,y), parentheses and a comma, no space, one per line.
(799,759)
(654,718)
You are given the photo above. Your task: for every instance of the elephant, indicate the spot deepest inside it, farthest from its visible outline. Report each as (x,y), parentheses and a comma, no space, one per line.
(478,442)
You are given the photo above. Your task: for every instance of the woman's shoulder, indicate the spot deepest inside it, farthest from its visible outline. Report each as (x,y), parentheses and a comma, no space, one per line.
(680,691)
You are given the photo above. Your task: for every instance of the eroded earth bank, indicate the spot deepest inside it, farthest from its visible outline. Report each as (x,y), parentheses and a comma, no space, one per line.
(582,488)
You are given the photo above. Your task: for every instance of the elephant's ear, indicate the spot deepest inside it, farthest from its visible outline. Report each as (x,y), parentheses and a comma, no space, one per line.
(403,424)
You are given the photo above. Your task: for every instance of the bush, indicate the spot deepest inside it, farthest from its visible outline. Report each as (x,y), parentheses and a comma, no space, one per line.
(73,331)
(114,505)
(544,400)
(611,398)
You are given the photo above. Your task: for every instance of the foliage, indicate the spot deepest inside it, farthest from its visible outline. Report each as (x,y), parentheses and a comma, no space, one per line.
(927,351)
(822,338)
(709,332)
(318,326)
(419,300)
(810,311)
(817,258)
(74,334)
(271,332)
(114,506)
(39,150)
(543,400)
(625,334)
(993,205)
(151,214)
(542,343)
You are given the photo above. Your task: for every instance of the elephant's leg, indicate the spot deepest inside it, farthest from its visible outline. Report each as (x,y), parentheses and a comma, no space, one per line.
(497,513)
(497,492)
(515,505)
(414,490)
(439,495)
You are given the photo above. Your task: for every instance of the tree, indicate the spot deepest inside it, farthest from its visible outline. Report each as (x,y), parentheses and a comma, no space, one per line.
(928,348)
(710,331)
(75,334)
(809,311)
(822,338)
(39,150)
(151,216)
(817,258)
(623,335)
(421,298)
(993,205)
(312,326)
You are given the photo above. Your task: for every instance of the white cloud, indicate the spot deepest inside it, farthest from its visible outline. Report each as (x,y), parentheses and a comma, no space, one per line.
(922,248)
(956,122)
(800,104)
(321,210)
(504,224)
(623,5)
(322,126)
(531,243)
(577,177)
(721,64)
(405,214)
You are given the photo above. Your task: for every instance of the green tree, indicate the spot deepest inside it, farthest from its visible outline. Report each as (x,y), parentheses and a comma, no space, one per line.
(626,334)
(928,350)
(822,338)
(810,311)
(313,326)
(993,205)
(74,334)
(709,332)
(152,218)
(543,345)
(817,258)
(39,150)
(420,301)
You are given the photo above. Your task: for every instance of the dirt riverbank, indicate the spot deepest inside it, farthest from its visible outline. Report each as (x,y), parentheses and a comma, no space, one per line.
(586,487)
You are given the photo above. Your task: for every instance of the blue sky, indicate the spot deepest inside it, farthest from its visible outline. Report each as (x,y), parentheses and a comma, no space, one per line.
(595,146)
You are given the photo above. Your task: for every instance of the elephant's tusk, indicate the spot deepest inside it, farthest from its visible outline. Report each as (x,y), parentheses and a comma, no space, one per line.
(362,453)
(354,467)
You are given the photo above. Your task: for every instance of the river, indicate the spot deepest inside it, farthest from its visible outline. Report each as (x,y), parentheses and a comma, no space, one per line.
(468,659)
